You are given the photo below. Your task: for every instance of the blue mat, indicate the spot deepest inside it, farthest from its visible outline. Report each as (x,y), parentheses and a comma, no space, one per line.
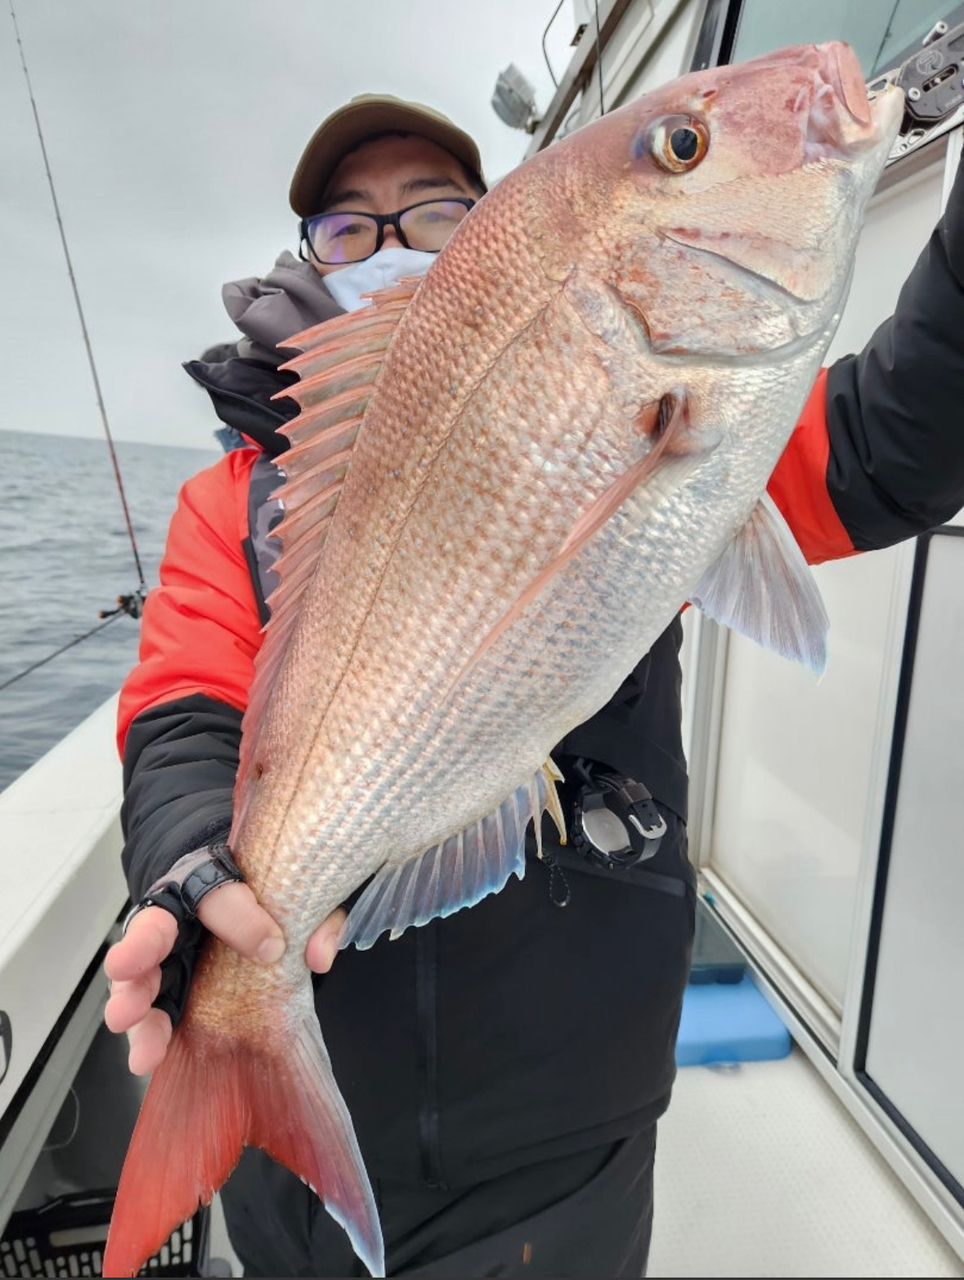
(729,1022)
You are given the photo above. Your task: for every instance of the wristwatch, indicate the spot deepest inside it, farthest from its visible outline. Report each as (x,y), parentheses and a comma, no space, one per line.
(615,822)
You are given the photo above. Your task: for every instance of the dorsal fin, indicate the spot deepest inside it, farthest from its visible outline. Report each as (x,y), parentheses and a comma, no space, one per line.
(338,364)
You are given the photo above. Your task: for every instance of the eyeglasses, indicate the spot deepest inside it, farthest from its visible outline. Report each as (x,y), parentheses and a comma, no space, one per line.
(337,238)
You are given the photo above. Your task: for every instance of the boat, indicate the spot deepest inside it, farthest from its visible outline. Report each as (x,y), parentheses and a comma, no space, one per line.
(829,857)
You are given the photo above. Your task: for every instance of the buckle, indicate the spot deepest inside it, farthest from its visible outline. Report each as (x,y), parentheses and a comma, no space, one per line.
(189,881)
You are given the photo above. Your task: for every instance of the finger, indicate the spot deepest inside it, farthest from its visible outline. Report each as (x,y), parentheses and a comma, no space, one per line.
(149,1040)
(130,1001)
(324,942)
(149,938)
(232,912)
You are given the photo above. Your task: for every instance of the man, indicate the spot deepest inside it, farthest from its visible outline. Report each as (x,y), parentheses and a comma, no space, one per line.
(505,1067)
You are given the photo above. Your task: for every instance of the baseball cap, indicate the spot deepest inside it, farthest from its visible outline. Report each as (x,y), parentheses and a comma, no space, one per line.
(367,114)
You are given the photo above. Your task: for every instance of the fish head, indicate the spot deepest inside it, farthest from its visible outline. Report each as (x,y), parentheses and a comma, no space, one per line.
(724,208)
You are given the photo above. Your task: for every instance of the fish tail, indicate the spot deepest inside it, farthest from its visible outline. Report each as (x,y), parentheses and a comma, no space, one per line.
(210,1098)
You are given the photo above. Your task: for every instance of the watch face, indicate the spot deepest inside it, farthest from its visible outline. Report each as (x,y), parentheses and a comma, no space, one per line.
(6,1043)
(604,830)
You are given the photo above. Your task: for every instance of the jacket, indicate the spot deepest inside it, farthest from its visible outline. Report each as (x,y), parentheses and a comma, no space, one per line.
(515,1031)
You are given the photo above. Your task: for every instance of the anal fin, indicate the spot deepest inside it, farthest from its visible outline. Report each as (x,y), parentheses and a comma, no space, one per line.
(461,870)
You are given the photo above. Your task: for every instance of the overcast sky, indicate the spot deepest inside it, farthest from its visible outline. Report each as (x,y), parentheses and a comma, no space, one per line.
(173,127)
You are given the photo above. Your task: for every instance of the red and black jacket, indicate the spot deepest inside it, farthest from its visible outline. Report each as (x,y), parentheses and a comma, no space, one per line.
(516,1030)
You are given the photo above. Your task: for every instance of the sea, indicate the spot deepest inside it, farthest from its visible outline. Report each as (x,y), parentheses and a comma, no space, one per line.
(65,555)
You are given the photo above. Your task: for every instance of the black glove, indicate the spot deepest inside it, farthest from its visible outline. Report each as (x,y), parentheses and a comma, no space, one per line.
(180,892)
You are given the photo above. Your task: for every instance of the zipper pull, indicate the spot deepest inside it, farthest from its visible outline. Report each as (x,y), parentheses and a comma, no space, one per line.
(559,891)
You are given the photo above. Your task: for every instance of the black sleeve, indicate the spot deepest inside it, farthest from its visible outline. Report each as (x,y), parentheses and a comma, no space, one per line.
(638,732)
(179,768)
(895,412)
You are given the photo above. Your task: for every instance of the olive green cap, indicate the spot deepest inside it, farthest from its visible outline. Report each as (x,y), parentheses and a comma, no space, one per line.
(365,115)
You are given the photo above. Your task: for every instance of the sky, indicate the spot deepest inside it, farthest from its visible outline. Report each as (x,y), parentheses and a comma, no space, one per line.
(173,128)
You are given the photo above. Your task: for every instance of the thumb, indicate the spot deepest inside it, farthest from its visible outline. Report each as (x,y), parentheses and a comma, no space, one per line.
(232,913)
(324,942)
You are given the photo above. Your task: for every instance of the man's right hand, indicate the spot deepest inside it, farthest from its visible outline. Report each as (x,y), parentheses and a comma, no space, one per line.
(133,965)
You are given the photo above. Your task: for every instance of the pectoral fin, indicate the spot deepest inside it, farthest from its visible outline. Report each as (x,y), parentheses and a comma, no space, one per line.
(678,442)
(762,587)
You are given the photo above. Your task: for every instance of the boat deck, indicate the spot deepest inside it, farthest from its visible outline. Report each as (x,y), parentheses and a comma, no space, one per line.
(761,1172)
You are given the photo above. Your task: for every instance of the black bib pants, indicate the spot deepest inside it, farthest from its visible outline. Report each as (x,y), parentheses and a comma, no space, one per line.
(505,1069)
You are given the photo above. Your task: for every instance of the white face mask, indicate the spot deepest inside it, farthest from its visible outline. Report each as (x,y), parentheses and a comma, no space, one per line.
(380,271)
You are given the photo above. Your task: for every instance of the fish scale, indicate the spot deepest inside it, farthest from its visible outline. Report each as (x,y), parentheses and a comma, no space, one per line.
(569,429)
(389,677)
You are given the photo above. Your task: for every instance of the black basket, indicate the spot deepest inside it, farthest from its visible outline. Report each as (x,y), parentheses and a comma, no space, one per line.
(66,1237)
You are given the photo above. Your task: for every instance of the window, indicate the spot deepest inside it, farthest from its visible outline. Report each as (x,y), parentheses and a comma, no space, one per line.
(882,32)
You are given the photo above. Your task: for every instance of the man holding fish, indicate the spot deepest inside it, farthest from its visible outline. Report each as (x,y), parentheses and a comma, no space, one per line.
(502,482)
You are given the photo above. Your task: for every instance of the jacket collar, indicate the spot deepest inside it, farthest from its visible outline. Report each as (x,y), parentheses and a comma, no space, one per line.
(291,297)
(242,377)
(241,392)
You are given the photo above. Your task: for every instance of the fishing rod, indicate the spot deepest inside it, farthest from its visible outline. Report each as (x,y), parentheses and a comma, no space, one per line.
(132,603)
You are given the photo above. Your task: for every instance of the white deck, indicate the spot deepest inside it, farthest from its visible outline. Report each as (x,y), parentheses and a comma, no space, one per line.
(761,1172)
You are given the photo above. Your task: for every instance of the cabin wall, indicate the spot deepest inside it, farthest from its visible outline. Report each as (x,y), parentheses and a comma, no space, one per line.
(826,816)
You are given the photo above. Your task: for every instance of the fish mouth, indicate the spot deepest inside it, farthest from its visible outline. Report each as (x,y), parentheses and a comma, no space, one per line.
(842,72)
(843,122)
(799,280)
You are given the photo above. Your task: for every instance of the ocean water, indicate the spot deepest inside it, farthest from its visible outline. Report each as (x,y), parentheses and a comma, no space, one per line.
(64,555)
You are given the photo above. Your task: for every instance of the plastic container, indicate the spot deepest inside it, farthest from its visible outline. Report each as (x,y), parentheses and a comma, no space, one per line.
(728,1023)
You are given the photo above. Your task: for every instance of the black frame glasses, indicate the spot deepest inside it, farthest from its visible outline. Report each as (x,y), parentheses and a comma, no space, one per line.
(381,220)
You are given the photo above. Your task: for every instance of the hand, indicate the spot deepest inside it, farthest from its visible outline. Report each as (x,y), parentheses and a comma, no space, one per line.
(133,965)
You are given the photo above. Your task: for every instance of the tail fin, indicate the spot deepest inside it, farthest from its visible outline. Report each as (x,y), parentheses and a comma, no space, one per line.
(210,1098)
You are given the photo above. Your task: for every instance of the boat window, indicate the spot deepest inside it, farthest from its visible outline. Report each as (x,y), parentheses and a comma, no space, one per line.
(882,32)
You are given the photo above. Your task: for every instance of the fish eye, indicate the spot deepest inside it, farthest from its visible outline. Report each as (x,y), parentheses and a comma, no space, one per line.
(678,143)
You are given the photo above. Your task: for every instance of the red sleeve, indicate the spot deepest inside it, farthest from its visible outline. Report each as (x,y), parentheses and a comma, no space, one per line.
(201,629)
(799,484)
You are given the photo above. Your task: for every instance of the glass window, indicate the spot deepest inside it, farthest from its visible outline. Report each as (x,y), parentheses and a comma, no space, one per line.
(882,32)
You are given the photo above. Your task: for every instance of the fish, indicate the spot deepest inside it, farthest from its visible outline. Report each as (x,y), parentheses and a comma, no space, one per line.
(504,482)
